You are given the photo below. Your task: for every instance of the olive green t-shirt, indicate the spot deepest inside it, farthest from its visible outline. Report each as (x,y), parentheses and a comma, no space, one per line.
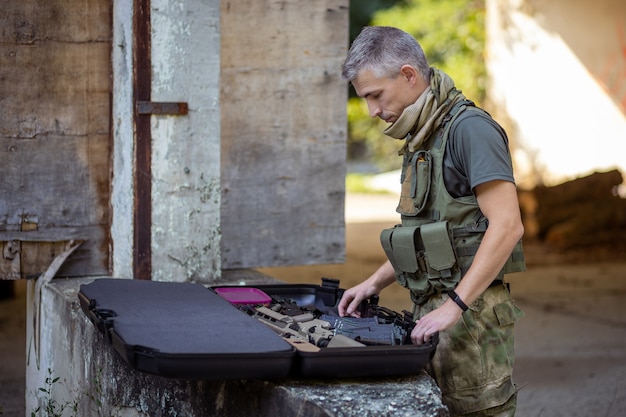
(477,151)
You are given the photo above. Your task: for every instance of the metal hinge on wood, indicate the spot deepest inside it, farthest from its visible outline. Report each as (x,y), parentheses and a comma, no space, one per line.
(160,107)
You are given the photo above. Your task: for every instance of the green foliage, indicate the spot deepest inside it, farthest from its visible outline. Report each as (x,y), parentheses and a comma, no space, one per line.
(50,407)
(452,34)
(361,12)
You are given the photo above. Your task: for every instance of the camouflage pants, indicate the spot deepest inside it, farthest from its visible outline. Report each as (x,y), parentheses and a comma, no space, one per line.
(473,364)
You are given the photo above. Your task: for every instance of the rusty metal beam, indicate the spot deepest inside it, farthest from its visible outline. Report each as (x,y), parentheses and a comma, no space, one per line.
(142,86)
(164,108)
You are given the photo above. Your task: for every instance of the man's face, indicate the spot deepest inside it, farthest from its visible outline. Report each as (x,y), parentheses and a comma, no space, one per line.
(388,97)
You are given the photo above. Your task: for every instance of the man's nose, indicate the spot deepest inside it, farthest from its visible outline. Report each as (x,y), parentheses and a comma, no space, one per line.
(374,109)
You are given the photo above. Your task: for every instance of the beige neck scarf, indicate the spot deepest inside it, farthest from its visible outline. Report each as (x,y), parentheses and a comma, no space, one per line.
(419,120)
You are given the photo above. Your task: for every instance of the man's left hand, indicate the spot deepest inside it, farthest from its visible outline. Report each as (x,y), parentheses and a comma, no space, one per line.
(440,319)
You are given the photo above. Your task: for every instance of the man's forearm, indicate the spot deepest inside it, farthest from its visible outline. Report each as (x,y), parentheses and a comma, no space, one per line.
(383,277)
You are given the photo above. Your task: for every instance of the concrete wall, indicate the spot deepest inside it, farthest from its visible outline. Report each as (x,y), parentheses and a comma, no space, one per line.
(283,106)
(92,378)
(558,73)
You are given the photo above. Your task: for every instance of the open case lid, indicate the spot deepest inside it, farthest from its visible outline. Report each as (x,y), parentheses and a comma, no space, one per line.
(183,330)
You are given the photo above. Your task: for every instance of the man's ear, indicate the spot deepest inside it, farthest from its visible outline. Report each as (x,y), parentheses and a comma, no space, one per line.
(409,73)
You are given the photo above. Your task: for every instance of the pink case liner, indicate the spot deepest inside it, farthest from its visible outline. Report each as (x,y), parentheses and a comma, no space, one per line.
(244,295)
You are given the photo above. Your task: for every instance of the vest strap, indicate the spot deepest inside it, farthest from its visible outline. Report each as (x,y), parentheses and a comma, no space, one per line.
(428,215)
(462,251)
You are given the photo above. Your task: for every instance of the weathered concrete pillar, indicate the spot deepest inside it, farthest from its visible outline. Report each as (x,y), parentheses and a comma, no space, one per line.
(185,149)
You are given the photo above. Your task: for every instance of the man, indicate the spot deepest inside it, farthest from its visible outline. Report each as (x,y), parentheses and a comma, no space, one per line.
(461,226)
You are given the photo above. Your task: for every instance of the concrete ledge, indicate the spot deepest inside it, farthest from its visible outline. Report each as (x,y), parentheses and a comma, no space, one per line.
(94,379)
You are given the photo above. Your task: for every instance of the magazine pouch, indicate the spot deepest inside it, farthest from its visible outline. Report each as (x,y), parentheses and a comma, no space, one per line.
(440,256)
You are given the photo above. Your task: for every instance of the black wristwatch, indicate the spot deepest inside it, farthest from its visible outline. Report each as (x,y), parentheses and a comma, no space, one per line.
(455,297)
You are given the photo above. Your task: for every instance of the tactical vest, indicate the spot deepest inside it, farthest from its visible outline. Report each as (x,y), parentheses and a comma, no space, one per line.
(435,245)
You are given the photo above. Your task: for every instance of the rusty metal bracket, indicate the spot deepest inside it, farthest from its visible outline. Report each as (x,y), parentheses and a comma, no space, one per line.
(11,249)
(156,107)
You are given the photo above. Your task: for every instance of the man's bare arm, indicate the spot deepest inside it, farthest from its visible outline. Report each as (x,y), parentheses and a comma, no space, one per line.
(498,202)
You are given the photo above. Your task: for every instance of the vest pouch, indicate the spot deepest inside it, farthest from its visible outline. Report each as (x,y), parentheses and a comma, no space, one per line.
(440,257)
(416,180)
(402,247)
(399,245)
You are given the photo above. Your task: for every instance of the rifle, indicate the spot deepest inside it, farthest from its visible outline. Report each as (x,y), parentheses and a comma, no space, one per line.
(308,328)
(302,329)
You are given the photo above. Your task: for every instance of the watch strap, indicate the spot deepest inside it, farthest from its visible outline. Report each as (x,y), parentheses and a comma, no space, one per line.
(455,297)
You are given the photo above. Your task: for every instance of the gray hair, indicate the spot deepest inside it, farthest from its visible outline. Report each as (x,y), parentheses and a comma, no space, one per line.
(384,50)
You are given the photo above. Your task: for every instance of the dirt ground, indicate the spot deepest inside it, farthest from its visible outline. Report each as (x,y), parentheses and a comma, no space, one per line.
(570,346)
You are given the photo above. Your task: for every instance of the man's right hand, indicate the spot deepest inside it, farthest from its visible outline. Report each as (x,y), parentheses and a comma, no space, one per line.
(351,299)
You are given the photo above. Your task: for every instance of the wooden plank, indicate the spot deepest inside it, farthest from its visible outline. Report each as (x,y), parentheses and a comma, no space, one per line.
(37,249)
(55,133)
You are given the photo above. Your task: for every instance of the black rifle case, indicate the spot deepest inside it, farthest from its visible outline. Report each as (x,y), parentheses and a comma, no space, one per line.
(189,331)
